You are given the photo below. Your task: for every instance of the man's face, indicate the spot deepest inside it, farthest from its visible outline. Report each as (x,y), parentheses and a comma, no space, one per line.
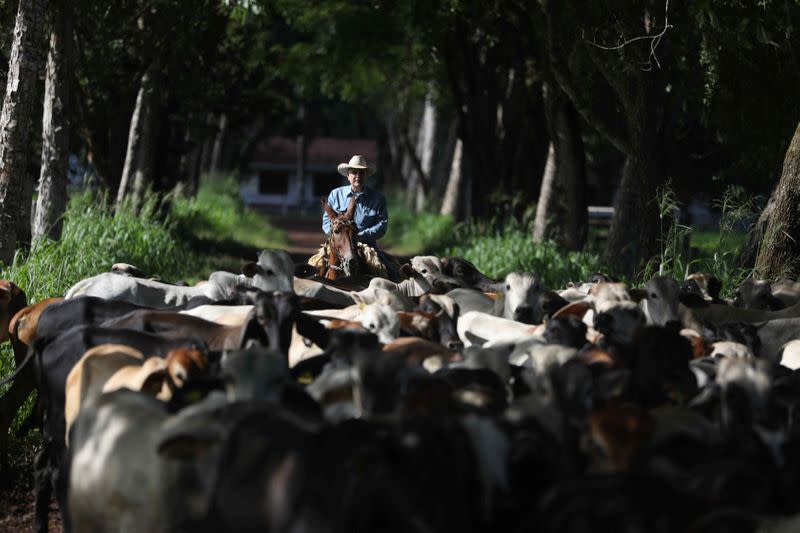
(356,176)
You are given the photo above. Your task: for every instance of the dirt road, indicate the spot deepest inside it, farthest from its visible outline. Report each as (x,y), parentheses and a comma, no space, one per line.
(305,235)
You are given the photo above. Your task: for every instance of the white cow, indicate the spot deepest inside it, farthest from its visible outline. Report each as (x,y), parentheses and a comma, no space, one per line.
(518,299)
(274,271)
(227,315)
(477,328)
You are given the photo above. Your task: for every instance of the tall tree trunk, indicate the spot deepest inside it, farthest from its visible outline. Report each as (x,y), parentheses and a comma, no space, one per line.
(15,121)
(453,192)
(219,142)
(633,237)
(561,210)
(443,160)
(302,152)
(208,145)
(426,144)
(779,253)
(139,135)
(52,199)
(544,204)
(634,233)
(746,258)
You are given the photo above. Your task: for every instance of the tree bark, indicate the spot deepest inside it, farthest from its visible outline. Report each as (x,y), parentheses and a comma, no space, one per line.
(746,258)
(219,141)
(144,177)
(779,253)
(52,200)
(426,145)
(561,210)
(443,160)
(15,121)
(633,237)
(453,192)
(544,204)
(208,146)
(137,139)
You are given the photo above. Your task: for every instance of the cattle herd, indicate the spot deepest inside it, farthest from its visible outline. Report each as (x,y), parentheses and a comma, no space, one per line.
(269,401)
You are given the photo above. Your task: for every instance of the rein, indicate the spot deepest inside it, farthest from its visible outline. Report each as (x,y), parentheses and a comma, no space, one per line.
(332,245)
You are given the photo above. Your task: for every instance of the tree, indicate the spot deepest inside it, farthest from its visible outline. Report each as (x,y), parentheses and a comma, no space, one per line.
(611,61)
(15,121)
(489,71)
(561,209)
(52,199)
(137,172)
(779,252)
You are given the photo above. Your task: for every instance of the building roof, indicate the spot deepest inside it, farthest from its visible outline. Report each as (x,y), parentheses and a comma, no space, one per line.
(322,151)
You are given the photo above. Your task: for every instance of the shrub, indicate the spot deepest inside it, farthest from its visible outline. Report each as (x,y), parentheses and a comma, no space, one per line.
(94,238)
(218,213)
(498,254)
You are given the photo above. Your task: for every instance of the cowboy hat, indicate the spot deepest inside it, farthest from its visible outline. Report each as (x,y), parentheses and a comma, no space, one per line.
(357,161)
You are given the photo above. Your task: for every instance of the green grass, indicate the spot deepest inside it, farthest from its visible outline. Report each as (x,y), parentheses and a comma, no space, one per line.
(715,242)
(417,233)
(93,239)
(497,255)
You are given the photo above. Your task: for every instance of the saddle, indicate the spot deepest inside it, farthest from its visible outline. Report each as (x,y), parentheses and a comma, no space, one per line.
(367,254)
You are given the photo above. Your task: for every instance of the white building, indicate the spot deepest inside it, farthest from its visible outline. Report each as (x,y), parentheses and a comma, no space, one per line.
(271,179)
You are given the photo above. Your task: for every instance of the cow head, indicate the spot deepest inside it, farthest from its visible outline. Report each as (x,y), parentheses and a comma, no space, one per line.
(381,320)
(465,273)
(271,320)
(12,300)
(446,312)
(567,330)
(519,299)
(756,294)
(274,271)
(660,302)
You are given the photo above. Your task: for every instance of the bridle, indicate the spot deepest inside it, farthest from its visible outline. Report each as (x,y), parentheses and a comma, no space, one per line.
(337,223)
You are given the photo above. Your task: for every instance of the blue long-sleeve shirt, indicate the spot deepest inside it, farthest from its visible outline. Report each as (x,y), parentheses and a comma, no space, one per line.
(371,216)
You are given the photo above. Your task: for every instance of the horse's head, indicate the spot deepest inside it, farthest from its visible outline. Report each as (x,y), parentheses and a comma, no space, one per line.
(343,258)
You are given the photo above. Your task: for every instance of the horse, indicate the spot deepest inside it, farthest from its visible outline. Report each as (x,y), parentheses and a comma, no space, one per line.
(341,250)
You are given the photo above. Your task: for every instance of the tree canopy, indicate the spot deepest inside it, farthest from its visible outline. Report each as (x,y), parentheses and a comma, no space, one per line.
(700,93)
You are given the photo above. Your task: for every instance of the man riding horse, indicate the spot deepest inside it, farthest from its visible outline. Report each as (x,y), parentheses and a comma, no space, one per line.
(371,217)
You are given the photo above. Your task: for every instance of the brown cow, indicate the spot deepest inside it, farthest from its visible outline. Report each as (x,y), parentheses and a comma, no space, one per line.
(12,301)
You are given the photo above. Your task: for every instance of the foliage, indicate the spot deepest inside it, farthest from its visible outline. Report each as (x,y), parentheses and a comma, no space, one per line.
(711,252)
(218,213)
(498,254)
(417,233)
(93,239)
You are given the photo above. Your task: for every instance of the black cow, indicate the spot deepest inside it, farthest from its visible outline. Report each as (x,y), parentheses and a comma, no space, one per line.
(467,275)
(55,358)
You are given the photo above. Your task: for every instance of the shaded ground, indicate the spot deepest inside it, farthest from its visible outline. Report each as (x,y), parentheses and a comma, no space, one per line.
(17,499)
(305,235)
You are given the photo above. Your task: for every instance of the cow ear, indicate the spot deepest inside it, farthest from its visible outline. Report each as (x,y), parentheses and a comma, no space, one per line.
(250,269)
